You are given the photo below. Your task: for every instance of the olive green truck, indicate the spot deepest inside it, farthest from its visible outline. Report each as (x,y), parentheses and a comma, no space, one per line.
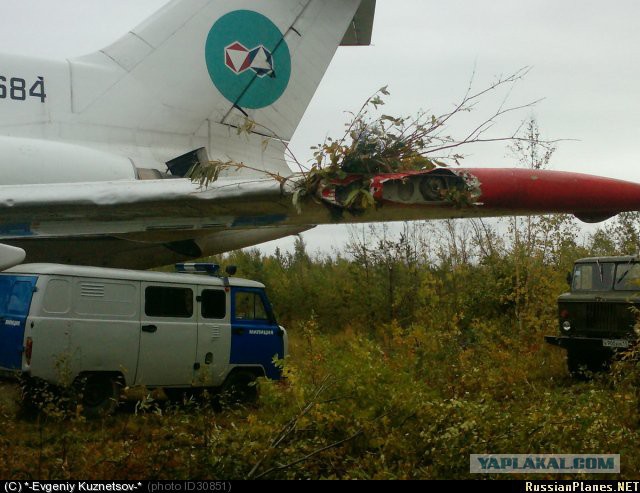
(597,318)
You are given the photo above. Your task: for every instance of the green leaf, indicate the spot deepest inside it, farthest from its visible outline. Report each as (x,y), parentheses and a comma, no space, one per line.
(353,195)
(295,199)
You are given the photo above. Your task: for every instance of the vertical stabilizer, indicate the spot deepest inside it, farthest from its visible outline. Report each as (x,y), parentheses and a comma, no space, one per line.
(211,62)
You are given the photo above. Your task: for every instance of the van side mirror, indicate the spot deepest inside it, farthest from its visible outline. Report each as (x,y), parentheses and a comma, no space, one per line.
(569,278)
(231,270)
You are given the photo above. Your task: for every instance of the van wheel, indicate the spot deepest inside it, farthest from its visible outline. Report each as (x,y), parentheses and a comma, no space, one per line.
(240,387)
(99,395)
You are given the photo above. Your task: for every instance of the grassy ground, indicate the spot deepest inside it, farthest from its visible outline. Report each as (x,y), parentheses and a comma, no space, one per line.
(352,407)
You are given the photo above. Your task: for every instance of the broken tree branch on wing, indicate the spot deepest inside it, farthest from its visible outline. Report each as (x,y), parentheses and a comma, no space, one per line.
(376,144)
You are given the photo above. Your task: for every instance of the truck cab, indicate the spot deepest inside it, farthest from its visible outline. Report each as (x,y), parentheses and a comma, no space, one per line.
(597,318)
(107,329)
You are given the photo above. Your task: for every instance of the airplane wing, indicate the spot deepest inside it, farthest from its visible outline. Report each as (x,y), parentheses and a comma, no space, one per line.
(183,219)
(85,143)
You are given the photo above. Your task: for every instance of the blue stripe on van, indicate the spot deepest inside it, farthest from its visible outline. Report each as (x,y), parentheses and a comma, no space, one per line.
(255,342)
(15,300)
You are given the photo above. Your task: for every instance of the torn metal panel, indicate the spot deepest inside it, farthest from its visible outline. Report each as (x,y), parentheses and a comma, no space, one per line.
(181,165)
(488,192)
(439,186)
(424,187)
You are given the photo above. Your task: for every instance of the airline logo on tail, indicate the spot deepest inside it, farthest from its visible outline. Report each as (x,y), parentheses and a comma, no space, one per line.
(260,60)
(248,59)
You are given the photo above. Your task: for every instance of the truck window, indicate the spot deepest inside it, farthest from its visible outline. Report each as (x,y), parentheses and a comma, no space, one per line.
(160,301)
(249,306)
(596,276)
(214,303)
(628,277)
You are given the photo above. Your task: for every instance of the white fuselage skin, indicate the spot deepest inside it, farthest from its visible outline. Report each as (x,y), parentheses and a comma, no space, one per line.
(76,149)
(104,126)
(50,143)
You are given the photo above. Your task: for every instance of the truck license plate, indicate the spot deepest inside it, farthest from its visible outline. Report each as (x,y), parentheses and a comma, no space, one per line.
(617,343)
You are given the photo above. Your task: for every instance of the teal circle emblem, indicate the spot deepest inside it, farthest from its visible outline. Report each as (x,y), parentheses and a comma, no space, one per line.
(248,59)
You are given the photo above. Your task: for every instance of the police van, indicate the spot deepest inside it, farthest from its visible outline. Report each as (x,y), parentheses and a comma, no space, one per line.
(106,329)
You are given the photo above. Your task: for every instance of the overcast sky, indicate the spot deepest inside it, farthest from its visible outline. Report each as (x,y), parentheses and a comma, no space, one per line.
(584,57)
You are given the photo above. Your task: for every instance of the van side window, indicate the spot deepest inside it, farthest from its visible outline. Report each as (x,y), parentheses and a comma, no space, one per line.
(160,301)
(249,306)
(20,298)
(57,298)
(214,303)
(111,298)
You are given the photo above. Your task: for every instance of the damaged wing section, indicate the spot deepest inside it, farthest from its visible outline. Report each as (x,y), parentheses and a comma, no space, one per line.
(440,185)
(483,192)
(186,220)
(437,187)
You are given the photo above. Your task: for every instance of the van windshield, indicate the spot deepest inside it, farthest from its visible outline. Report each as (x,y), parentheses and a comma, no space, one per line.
(596,276)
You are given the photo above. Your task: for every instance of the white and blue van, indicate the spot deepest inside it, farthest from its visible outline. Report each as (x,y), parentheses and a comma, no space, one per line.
(111,329)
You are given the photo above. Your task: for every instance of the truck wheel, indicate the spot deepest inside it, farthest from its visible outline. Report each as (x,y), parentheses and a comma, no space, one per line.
(99,395)
(240,387)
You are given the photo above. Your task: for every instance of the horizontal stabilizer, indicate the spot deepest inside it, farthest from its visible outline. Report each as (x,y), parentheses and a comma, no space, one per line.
(10,256)
(169,210)
(176,219)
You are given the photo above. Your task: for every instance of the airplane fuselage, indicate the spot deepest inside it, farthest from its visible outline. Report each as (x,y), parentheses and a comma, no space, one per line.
(93,149)
(48,103)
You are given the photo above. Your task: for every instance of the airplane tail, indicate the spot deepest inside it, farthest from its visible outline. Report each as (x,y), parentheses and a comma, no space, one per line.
(197,67)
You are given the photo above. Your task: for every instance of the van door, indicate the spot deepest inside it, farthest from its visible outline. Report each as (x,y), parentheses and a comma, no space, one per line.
(15,301)
(214,335)
(168,335)
(255,336)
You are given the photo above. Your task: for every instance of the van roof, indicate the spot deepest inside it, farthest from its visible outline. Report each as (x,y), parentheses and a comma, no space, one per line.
(129,275)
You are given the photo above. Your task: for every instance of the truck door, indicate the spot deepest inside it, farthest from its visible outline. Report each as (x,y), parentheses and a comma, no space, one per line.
(255,336)
(168,336)
(214,335)
(15,301)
